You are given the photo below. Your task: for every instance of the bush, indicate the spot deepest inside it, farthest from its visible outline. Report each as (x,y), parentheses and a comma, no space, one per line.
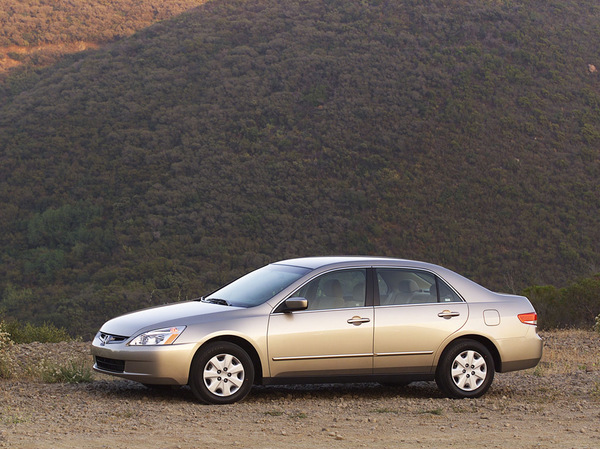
(546,300)
(28,333)
(75,371)
(574,306)
(16,56)
(5,355)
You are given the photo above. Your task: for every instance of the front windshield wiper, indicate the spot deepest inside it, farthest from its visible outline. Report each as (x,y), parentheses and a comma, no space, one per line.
(215,301)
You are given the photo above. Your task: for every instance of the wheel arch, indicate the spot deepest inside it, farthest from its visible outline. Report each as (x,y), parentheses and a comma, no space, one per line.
(246,346)
(489,344)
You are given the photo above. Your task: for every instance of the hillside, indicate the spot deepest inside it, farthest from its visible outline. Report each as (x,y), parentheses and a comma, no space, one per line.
(37,33)
(463,132)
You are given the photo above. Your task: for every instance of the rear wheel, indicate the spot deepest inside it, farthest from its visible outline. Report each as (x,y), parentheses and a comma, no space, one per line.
(221,373)
(465,370)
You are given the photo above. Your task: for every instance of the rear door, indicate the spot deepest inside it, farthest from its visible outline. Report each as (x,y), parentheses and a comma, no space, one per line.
(417,311)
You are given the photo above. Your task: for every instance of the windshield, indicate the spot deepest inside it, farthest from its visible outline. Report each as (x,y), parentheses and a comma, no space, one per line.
(258,286)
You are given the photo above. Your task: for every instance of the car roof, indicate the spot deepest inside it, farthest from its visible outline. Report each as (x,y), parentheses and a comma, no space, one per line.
(465,286)
(323,261)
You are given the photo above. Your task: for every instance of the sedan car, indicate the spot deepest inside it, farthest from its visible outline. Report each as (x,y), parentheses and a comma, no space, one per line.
(326,319)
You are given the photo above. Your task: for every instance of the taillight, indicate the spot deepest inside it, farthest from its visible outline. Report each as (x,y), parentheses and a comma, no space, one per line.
(528,318)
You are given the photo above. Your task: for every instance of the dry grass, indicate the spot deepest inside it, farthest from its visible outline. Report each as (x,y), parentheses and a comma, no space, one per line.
(569,351)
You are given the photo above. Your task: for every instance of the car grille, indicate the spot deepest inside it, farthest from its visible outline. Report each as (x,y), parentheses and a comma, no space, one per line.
(108,338)
(112,365)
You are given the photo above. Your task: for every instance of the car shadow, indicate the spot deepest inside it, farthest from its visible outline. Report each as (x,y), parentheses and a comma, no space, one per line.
(124,389)
(373,391)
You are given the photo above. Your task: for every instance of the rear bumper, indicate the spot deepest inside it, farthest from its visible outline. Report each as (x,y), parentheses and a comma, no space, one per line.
(520,353)
(519,365)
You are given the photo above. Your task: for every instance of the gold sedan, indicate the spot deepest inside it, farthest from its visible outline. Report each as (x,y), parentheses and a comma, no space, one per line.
(327,319)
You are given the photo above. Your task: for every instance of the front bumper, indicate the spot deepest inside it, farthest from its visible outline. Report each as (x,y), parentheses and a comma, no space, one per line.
(163,365)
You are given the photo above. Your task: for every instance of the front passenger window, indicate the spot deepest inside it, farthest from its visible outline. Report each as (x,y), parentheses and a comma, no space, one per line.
(335,290)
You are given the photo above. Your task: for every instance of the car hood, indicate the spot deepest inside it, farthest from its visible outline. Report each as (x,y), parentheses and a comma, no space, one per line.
(178,314)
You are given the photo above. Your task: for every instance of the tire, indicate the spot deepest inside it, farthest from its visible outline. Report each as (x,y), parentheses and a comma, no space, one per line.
(221,373)
(466,370)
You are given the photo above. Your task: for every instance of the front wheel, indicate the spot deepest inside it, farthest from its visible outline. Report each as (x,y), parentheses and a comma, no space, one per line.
(465,370)
(221,373)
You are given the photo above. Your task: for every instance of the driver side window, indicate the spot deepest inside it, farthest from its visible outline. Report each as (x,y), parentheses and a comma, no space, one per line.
(335,290)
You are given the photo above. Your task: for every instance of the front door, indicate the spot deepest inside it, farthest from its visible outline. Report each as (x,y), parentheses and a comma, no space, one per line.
(334,336)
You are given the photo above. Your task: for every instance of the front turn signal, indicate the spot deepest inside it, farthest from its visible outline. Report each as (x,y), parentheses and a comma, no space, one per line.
(528,318)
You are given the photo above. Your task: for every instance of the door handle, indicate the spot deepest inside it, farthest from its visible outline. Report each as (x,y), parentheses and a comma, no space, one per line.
(447,314)
(357,321)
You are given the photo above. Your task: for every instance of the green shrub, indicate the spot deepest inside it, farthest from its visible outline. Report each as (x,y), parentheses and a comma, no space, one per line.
(15,56)
(574,306)
(5,355)
(546,300)
(28,333)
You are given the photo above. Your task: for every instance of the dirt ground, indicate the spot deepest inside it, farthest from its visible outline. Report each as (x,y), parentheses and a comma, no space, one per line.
(556,405)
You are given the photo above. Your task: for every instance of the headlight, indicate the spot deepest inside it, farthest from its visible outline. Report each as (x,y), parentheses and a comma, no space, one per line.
(157,337)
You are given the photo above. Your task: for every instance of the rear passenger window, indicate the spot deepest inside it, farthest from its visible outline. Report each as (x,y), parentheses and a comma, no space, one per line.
(404,286)
(400,286)
(446,293)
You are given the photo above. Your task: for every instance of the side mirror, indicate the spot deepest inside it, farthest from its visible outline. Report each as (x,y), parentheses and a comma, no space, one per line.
(293,304)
